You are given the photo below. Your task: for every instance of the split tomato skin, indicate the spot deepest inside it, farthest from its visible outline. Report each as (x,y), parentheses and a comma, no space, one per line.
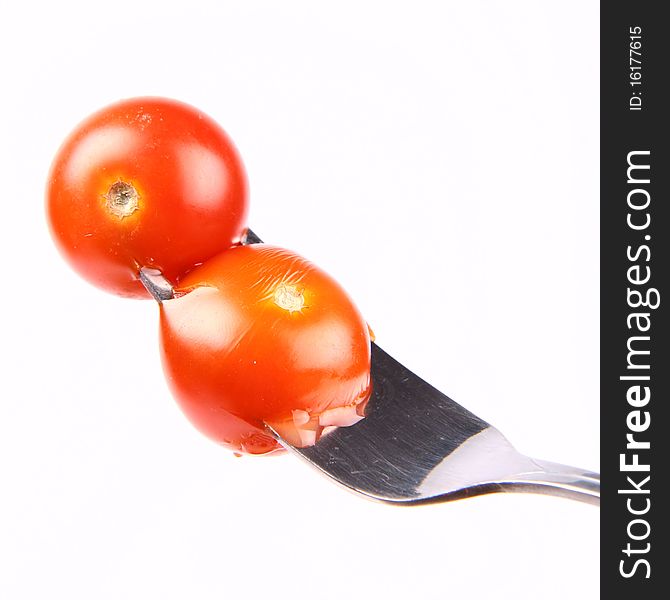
(145,182)
(260,335)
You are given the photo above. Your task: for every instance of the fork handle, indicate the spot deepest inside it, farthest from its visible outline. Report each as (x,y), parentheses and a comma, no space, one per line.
(556,480)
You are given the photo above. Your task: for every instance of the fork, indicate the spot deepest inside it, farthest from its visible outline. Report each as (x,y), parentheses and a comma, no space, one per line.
(417,446)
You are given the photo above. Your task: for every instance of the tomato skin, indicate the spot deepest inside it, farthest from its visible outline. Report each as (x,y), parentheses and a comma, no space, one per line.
(261,335)
(188,184)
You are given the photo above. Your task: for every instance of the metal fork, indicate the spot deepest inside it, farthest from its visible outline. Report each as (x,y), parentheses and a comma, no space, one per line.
(416,445)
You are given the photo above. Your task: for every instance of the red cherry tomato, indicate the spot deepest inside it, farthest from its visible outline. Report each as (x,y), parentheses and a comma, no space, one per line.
(145,182)
(260,335)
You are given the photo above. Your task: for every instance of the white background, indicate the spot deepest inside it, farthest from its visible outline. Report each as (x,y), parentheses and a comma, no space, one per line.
(441,160)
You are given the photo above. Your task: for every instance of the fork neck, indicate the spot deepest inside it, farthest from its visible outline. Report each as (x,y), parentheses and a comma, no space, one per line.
(556,480)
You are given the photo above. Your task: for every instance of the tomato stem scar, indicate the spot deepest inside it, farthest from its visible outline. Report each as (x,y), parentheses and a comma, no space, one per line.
(289,298)
(122,199)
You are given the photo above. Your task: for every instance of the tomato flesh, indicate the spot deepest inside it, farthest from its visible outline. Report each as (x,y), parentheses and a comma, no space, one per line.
(145,182)
(260,335)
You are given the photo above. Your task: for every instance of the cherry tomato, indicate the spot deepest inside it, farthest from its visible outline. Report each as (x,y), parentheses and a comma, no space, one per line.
(145,182)
(260,335)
